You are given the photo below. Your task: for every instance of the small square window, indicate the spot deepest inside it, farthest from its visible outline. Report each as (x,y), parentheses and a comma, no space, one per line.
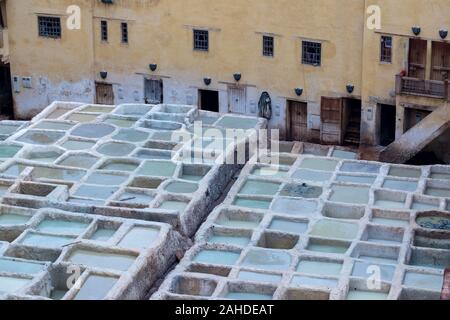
(312,53)
(268,46)
(386,49)
(104,30)
(49,27)
(201,40)
(124,29)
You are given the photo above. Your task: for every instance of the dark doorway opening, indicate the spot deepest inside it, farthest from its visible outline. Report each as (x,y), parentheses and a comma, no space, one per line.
(153,91)
(6,96)
(425,158)
(387,124)
(414,117)
(352,121)
(208,100)
(104,93)
(297,118)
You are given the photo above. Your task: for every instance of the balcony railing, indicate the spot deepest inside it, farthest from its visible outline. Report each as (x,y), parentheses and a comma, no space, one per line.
(421,87)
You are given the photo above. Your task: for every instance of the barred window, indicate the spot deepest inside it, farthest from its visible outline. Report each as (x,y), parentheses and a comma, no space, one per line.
(201,40)
(49,27)
(268,46)
(124,28)
(104,30)
(312,53)
(386,49)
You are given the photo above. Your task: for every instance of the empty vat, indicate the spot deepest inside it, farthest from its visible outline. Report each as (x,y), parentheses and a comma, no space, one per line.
(321,268)
(424,281)
(232,122)
(139,237)
(173,205)
(366,295)
(314,282)
(41,137)
(106,179)
(259,277)
(45,240)
(301,191)
(131,135)
(96,192)
(97,109)
(181,187)
(335,229)
(115,149)
(138,197)
(84,161)
(157,169)
(342,154)
(365,270)
(405,172)
(62,226)
(217,257)
(252,203)
(82,117)
(319,164)
(105,260)
(9,151)
(10,284)
(253,187)
(438,192)
(310,175)
(402,185)
(57,174)
(72,144)
(356,179)
(11,265)
(103,234)
(241,241)
(267,259)
(13,219)
(350,194)
(54,125)
(118,165)
(247,296)
(360,167)
(93,130)
(288,226)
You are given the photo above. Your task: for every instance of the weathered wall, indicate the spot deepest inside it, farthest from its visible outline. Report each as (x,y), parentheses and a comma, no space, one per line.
(60,69)
(398,17)
(160,31)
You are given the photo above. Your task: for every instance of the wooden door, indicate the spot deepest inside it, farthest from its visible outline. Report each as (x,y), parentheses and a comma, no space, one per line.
(417,58)
(298,121)
(236,100)
(104,93)
(331,116)
(153,91)
(440,61)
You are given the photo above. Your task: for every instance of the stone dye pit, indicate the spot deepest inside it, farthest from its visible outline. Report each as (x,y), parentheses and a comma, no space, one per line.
(60,255)
(98,201)
(322,226)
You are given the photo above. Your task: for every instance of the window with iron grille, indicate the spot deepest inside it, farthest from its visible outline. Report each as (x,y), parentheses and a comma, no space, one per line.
(312,53)
(386,49)
(104,30)
(268,46)
(124,28)
(201,40)
(49,27)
